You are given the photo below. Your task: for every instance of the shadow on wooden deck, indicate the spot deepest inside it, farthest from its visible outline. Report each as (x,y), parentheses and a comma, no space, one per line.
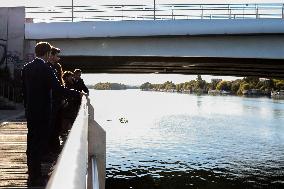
(13,166)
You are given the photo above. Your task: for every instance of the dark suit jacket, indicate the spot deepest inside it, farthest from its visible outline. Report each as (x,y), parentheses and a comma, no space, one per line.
(79,85)
(38,82)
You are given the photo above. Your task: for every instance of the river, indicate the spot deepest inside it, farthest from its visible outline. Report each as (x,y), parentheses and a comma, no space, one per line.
(170,140)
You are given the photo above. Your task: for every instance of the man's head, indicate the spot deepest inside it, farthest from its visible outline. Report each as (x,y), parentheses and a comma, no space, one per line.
(68,77)
(53,58)
(42,50)
(77,73)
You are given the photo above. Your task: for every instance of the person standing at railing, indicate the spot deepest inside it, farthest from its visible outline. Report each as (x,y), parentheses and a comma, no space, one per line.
(70,109)
(79,84)
(38,83)
(57,105)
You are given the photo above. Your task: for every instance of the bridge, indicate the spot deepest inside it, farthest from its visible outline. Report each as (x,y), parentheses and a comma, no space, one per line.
(213,39)
(239,47)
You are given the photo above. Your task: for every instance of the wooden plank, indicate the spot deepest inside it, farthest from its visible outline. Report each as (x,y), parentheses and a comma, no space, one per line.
(13,168)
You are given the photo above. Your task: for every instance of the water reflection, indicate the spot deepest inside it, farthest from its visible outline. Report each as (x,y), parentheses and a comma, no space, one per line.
(181,140)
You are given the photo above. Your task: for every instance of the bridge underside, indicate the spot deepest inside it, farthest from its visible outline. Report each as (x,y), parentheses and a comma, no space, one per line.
(267,68)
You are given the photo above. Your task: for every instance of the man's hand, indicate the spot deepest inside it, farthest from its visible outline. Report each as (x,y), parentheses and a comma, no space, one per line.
(83,93)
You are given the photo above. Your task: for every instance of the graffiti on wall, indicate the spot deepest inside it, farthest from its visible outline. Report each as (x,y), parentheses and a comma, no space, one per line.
(13,57)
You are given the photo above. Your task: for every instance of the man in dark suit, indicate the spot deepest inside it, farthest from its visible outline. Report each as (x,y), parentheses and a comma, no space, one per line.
(38,83)
(57,106)
(79,84)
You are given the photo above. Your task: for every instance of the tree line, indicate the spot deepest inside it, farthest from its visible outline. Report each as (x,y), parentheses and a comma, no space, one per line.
(236,87)
(112,86)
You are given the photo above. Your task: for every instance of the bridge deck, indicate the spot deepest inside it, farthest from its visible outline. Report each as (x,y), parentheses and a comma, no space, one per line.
(13,167)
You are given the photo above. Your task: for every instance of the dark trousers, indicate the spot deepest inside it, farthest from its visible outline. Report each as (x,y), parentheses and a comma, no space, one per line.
(37,140)
(56,124)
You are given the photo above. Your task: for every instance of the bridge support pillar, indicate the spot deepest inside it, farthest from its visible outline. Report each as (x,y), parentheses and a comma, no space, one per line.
(12,34)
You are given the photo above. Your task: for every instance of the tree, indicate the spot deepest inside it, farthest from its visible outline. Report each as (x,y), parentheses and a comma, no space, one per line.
(223,86)
(235,86)
(199,84)
(146,86)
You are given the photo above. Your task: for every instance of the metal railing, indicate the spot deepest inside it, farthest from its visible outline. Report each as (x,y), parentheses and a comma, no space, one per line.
(154,12)
(10,91)
(81,163)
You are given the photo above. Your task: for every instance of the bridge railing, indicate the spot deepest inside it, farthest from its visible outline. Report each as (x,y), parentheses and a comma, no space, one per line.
(82,161)
(10,91)
(154,12)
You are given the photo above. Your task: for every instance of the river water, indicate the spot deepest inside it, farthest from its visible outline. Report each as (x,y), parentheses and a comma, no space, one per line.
(170,140)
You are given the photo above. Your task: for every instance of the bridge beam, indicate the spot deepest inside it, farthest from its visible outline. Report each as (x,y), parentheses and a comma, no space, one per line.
(176,65)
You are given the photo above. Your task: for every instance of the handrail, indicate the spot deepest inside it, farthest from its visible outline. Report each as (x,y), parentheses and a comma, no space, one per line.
(78,157)
(116,12)
(70,170)
(83,155)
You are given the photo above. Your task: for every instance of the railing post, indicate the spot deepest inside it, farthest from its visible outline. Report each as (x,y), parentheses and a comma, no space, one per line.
(229,11)
(256,14)
(72,11)
(154,9)
(8,92)
(122,12)
(201,11)
(96,150)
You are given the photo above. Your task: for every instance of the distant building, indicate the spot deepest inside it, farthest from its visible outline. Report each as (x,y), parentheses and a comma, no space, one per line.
(214,92)
(278,95)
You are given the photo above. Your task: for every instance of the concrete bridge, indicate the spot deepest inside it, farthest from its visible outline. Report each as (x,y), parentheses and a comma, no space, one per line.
(237,47)
(216,47)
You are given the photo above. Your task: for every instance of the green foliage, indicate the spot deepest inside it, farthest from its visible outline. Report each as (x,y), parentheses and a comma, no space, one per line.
(199,86)
(279,84)
(235,85)
(223,86)
(146,86)
(109,86)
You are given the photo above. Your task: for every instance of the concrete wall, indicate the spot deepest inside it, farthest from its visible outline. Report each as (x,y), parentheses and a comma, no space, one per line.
(12,34)
(151,28)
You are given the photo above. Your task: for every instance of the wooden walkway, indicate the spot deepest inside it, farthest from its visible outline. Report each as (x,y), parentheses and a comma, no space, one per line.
(13,167)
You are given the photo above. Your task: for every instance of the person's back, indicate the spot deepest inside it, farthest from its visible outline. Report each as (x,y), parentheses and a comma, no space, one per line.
(37,89)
